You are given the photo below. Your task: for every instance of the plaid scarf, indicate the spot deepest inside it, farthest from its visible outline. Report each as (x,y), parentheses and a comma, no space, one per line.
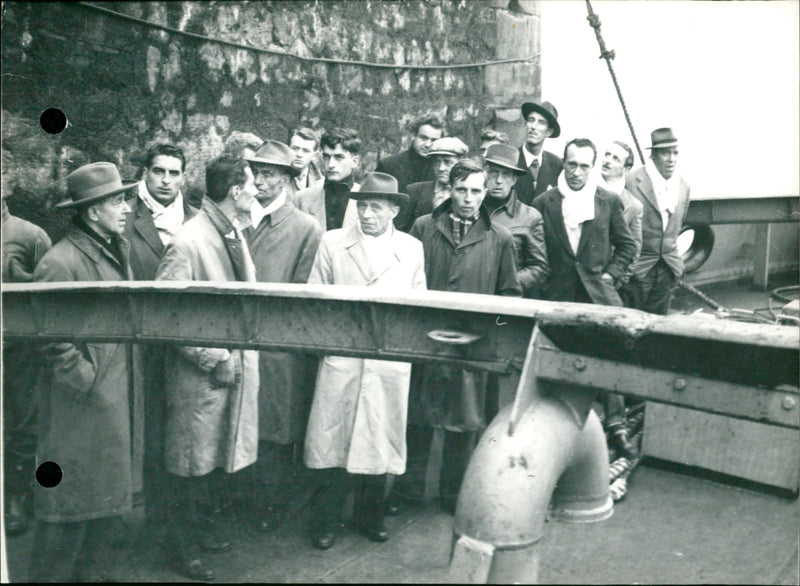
(461,226)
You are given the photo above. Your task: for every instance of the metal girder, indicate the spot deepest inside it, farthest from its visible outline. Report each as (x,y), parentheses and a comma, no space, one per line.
(629,348)
(747,210)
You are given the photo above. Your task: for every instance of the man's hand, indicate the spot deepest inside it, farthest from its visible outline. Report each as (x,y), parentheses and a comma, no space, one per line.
(224,373)
(608,278)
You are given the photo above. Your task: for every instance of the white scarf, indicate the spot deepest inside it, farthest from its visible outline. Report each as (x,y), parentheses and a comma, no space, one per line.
(576,207)
(379,248)
(665,190)
(614,186)
(167,219)
(257,213)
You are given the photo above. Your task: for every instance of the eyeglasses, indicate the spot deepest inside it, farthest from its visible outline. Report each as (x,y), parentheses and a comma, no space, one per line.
(498,173)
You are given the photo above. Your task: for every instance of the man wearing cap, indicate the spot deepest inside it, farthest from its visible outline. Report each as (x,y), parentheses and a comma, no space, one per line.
(665,198)
(283,242)
(541,122)
(84,407)
(524,222)
(589,244)
(412,165)
(212,393)
(356,429)
(158,210)
(427,195)
(304,143)
(329,202)
(466,252)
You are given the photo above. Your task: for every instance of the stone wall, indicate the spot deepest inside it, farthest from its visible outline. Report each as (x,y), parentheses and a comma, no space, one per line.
(125,85)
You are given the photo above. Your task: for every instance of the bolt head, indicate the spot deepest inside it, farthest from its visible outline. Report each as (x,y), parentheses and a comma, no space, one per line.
(789,403)
(679,384)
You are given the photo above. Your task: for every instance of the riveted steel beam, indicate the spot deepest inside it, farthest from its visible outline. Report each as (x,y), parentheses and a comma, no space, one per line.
(747,210)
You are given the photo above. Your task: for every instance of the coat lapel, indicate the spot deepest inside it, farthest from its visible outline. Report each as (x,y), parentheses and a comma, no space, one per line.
(645,187)
(355,248)
(143,224)
(557,220)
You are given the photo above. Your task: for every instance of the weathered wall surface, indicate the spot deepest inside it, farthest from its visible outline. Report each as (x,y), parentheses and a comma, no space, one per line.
(125,85)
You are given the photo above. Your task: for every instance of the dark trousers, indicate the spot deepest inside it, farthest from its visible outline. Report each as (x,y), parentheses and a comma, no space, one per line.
(189,517)
(458,448)
(333,487)
(84,551)
(154,473)
(656,289)
(273,473)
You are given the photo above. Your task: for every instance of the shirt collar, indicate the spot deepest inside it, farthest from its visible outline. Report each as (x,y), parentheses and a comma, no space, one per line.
(257,212)
(529,156)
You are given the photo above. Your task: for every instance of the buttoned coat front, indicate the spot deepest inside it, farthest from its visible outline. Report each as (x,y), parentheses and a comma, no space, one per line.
(90,404)
(312,202)
(283,247)
(358,415)
(657,242)
(208,426)
(606,245)
(549,170)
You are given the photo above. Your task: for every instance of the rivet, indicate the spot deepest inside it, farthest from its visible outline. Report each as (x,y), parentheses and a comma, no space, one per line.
(679,384)
(580,364)
(789,403)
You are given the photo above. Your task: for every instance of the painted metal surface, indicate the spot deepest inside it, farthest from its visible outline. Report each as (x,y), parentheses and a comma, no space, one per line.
(746,210)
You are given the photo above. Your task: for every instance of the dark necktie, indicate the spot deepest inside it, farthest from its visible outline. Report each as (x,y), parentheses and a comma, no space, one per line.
(534,167)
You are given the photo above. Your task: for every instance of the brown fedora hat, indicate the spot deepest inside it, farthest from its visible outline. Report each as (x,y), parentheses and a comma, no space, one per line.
(662,138)
(504,156)
(91,183)
(276,153)
(380,186)
(547,110)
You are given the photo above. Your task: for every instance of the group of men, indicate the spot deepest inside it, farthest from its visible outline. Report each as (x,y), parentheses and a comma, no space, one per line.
(515,222)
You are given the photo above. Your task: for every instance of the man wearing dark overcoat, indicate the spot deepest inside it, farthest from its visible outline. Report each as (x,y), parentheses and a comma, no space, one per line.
(589,244)
(541,123)
(665,197)
(466,252)
(412,165)
(89,400)
(158,210)
(283,242)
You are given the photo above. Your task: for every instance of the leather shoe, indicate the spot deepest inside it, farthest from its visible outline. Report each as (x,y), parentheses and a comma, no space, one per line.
(214,544)
(192,569)
(374,532)
(323,540)
(392,506)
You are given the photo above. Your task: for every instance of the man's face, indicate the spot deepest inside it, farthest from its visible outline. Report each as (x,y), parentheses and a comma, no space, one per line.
(164,179)
(467,195)
(303,151)
(338,163)
(577,166)
(499,181)
(424,138)
(665,160)
(245,192)
(442,165)
(375,215)
(613,162)
(538,129)
(109,215)
(270,181)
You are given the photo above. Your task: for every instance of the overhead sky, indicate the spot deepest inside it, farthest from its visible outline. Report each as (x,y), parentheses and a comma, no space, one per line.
(724,75)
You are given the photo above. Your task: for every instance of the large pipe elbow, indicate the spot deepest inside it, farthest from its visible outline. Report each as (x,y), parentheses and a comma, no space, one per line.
(512,479)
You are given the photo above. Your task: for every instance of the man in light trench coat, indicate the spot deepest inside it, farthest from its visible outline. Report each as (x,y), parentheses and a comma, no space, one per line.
(356,429)
(90,405)
(211,393)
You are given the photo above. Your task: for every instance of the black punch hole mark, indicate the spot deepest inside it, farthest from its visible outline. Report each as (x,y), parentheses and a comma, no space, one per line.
(53,121)
(48,474)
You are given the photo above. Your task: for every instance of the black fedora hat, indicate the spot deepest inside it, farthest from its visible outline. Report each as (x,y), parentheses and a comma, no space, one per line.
(504,156)
(662,138)
(91,183)
(547,110)
(273,152)
(380,186)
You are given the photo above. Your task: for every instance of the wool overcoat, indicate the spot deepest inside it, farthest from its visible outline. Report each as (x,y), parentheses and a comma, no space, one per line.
(208,426)
(358,415)
(90,406)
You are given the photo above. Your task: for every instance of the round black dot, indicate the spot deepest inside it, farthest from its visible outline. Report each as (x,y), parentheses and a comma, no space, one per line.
(48,474)
(53,120)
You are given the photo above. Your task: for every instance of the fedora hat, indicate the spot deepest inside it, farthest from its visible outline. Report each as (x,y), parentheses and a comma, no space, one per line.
(91,183)
(547,110)
(380,186)
(449,145)
(662,138)
(273,152)
(504,156)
